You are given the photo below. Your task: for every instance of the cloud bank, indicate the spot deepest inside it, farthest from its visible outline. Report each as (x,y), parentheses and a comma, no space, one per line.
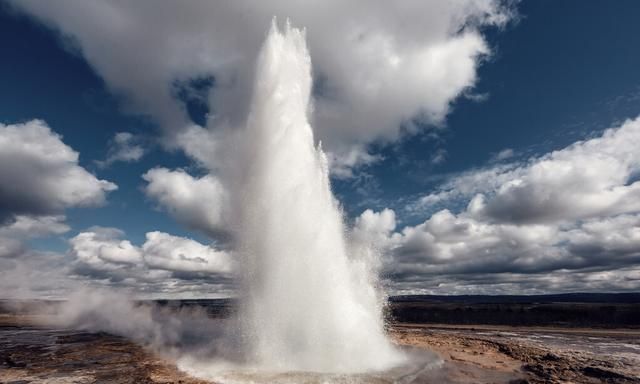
(567,220)
(40,177)
(380,69)
(163,263)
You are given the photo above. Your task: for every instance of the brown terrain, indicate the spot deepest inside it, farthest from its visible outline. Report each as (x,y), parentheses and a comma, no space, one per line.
(471,354)
(501,350)
(31,354)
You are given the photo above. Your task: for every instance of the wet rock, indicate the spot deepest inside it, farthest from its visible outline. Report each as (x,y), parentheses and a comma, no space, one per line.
(11,363)
(551,357)
(603,374)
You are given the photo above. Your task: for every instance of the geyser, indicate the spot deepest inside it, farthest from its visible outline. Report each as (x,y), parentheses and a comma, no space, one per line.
(307,304)
(310,310)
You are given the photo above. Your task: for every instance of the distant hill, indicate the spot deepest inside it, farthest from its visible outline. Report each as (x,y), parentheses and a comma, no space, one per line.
(580,297)
(602,310)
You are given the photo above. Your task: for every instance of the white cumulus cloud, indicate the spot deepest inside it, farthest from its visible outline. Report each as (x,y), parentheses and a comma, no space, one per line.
(104,252)
(173,253)
(40,175)
(195,202)
(590,178)
(103,248)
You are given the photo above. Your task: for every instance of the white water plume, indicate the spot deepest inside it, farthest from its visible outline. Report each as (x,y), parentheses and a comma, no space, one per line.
(306,304)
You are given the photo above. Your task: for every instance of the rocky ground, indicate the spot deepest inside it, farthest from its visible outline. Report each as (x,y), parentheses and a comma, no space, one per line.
(541,355)
(471,355)
(33,355)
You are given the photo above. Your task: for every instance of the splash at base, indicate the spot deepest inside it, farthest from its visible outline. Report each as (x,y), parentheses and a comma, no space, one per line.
(419,366)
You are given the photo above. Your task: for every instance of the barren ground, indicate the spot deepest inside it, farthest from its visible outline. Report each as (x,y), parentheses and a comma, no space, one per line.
(482,354)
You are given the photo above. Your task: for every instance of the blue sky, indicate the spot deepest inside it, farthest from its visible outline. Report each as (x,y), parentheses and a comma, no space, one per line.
(43,79)
(553,73)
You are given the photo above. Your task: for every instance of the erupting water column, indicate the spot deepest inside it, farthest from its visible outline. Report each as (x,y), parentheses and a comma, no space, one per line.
(307,306)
